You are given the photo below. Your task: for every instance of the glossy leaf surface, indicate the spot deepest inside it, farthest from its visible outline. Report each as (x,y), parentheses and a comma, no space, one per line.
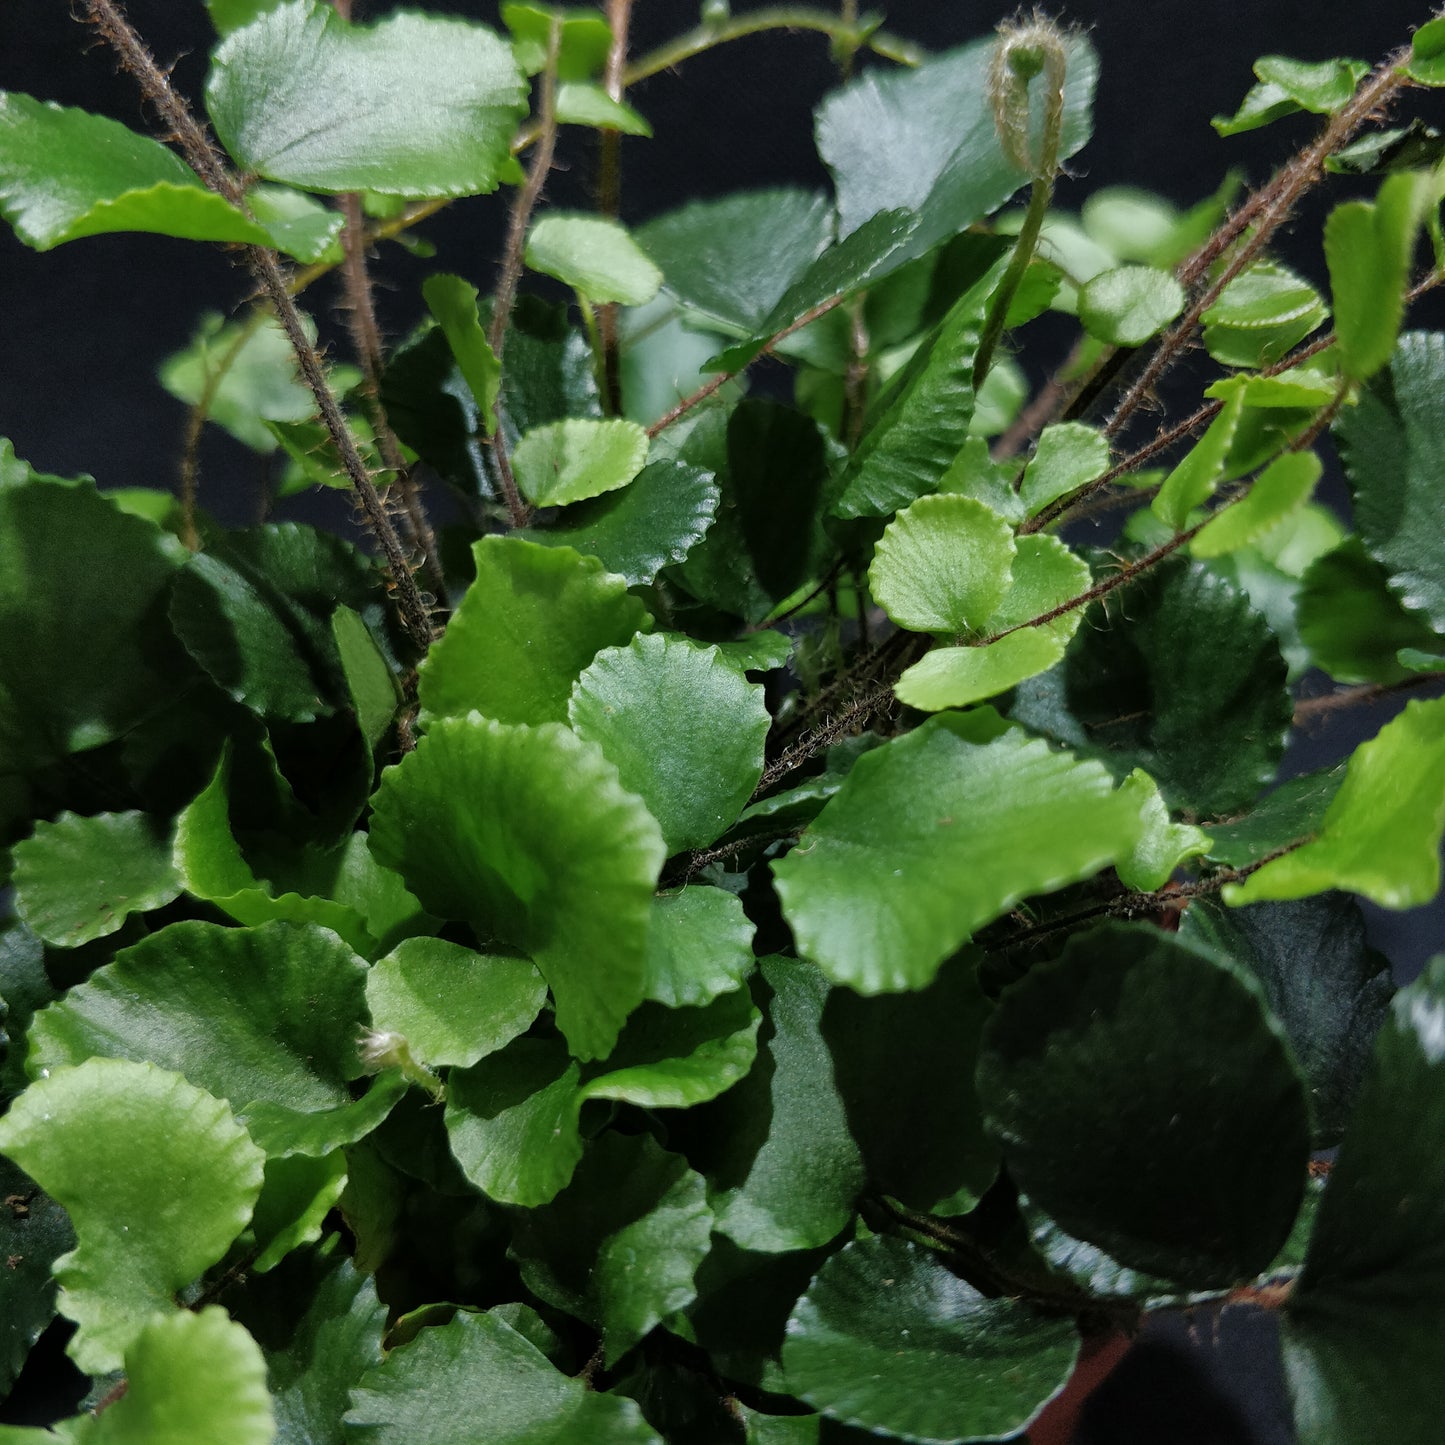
(1067,456)
(683,729)
(531,621)
(795,1187)
(1329,989)
(68,555)
(157,1177)
(65,173)
(190,1377)
(453,302)
(573,460)
(79,879)
(1391,448)
(594,256)
(415,105)
(453,1006)
(936,834)
(1128,305)
(924,140)
(1369,247)
(1363,1324)
(1283,487)
(912,1056)
(919,423)
(620,1245)
(254,611)
(943,565)
(263,1016)
(673,1058)
(1182,678)
(888,1339)
(527,834)
(476,1372)
(730,260)
(1352,623)
(512,1121)
(658,518)
(1112,1076)
(320,1325)
(1381,834)
(699,945)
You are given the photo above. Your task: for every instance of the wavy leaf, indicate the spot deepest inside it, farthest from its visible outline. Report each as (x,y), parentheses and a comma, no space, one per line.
(886,1338)
(577,459)
(531,621)
(415,105)
(79,879)
(620,1245)
(1380,836)
(527,834)
(936,834)
(65,173)
(157,1177)
(264,1017)
(491,1379)
(793,1187)
(684,730)
(594,256)
(453,1006)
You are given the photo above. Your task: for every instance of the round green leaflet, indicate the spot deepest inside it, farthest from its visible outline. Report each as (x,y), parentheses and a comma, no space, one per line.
(415,105)
(158,1178)
(595,256)
(527,834)
(1119,1075)
(266,1018)
(888,1339)
(943,565)
(683,728)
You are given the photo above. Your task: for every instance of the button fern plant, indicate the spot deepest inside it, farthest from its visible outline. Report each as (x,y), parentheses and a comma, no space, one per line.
(760,928)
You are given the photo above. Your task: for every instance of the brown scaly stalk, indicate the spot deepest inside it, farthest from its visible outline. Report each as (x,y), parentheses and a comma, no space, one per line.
(207,163)
(1266,209)
(1261,216)
(1307,709)
(609,198)
(1067,506)
(716,383)
(366,342)
(506,295)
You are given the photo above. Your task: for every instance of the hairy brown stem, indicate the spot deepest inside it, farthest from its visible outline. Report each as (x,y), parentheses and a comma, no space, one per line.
(1307,709)
(267,271)
(522,209)
(206,161)
(609,198)
(1196,421)
(1261,215)
(1270,206)
(201,155)
(716,383)
(366,342)
(1132,903)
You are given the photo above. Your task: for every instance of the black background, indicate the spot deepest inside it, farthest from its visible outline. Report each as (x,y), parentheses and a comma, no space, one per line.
(83,328)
